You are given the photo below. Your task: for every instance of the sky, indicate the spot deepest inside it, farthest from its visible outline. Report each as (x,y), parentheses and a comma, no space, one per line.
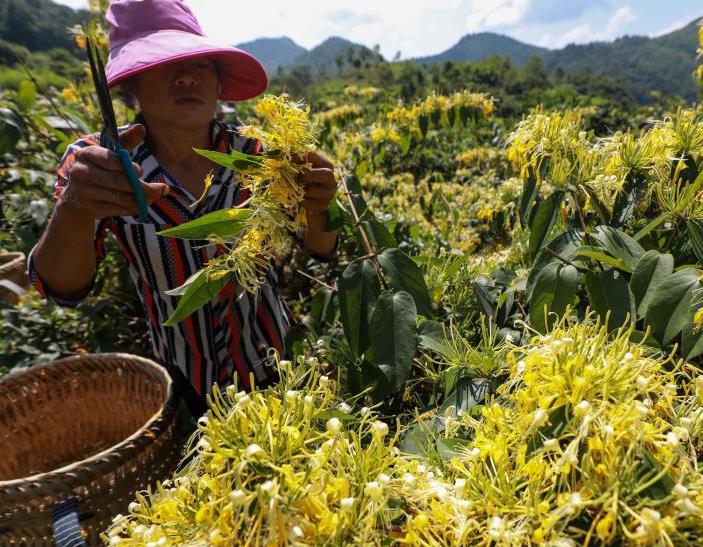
(425,27)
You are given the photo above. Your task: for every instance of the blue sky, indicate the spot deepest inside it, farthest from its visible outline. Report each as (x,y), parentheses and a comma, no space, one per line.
(425,27)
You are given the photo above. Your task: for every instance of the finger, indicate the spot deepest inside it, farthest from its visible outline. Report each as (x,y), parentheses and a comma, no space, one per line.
(104,158)
(319,192)
(154,190)
(318,159)
(89,174)
(320,175)
(132,136)
(99,194)
(314,206)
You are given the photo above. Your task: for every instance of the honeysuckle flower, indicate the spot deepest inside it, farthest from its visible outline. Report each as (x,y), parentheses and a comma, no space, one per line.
(380,429)
(374,490)
(334,425)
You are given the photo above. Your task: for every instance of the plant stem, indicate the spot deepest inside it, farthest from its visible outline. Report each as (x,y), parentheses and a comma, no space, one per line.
(316,280)
(565,261)
(372,254)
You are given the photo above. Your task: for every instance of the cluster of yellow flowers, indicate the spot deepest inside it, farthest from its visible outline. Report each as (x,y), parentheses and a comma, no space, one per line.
(592,438)
(481,157)
(555,148)
(367,92)
(287,134)
(340,113)
(407,117)
(292,465)
(432,206)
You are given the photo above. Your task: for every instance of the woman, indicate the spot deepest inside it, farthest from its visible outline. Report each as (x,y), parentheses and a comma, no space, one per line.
(159,54)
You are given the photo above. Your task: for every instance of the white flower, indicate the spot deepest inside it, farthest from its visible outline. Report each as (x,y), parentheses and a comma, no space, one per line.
(384,479)
(373,490)
(460,486)
(642,382)
(344,407)
(365,411)
(551,445)
(296,532)
(253,450)
(238,497)
(134,506)
(680,491)
(347,504)
(539,418)
(464,506)
(308,400)
(496,528)
(672,439)
(380,429)
(582,409)
(334,425)
(203,421)
(266,487)
(324,381)
(409,479)
(291,396)
(473,454)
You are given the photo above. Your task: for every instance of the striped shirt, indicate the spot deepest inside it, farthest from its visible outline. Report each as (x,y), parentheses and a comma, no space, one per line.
(229,335)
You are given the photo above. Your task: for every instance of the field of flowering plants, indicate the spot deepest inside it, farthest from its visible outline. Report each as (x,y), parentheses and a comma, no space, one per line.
(507,350)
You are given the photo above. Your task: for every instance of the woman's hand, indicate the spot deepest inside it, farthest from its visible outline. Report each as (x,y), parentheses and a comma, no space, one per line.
(320,187)
(320,183)
(98,186)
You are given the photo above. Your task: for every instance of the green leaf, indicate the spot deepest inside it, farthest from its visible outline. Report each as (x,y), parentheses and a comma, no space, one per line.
(421,435)
(358,290)
(565,245)
(608,293)
(651,269)
(424,122)
(450,447)
(652,225)
(555,288)
(587,251)
(430,335)
(393,336)
(235,161)
(224,223)
(27,95)
(669,308)
(618,244)
(12,130)
(598,205)
(529,194)
(404,274)
(543,221)
(198,292)
(695,232)
(691,339)
(379,236)
(406,142)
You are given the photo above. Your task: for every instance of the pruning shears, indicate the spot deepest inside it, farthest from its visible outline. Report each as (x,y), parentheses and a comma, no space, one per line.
(109,137)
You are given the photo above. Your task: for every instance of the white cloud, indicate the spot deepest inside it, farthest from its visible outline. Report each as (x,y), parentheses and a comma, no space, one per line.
(501,13)
(676,25)
(585,32)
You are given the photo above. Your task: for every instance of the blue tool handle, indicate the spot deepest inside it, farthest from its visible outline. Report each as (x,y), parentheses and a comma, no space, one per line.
(135,182)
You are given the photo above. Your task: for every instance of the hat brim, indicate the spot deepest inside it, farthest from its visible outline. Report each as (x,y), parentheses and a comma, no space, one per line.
(241,75)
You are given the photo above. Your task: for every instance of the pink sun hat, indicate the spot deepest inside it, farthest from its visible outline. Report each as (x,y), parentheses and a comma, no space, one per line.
(148,33)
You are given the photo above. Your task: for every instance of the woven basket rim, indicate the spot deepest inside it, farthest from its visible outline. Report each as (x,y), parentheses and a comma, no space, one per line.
(72,468)
(14,257)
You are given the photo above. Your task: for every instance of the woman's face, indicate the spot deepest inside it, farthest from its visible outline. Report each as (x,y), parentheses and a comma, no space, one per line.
(182,93)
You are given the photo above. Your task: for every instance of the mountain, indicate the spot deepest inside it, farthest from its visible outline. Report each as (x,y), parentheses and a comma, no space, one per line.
(273,52)
(326,57)
(644,65)
(474,47)
(39,25)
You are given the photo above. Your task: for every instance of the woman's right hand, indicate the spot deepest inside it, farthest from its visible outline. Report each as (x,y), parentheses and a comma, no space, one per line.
(98,186)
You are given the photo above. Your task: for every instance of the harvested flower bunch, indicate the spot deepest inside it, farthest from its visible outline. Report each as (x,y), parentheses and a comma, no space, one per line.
(257,231)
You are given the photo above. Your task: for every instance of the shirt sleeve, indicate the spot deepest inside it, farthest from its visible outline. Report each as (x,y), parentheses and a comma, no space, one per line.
(101,228)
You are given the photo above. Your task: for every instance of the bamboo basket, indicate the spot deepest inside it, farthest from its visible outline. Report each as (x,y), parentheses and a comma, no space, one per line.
(92,428)
(13,269)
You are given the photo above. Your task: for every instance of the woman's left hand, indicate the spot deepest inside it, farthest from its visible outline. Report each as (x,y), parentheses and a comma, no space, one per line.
(319,181)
